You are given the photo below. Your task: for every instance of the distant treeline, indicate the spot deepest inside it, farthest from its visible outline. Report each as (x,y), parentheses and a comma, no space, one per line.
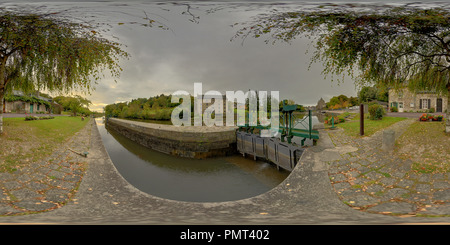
(157,108)
(154,108)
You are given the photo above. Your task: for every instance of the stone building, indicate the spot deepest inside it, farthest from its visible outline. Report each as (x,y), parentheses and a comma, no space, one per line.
(321,105)
(20,106)
(422,101)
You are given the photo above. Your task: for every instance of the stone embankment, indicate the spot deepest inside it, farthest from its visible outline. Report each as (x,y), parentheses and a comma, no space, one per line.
(183,141)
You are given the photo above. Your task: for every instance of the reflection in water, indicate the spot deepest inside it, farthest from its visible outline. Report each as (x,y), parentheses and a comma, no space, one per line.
(207,180)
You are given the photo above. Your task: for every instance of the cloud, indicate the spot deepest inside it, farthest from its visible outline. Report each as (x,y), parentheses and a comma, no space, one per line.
(165,61)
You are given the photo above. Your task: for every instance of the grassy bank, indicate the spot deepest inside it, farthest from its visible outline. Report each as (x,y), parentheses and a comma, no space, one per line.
(370,126)
(427,144)
(29,141)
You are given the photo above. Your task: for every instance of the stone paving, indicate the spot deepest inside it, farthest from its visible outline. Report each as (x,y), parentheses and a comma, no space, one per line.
(48,184)
(377,181)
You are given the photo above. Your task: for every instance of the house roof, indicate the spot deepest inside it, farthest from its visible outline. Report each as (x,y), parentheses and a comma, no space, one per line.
(20,93)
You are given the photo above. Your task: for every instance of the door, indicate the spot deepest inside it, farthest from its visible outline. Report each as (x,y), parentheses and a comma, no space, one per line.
(394,104)
(400,107)
(439,105)
(31,108)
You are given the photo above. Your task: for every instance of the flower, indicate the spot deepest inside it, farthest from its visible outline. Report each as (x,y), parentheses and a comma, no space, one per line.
(423,117)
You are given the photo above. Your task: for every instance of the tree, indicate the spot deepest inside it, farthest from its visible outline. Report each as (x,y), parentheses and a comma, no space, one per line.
(353,101)
(47,51)
(391,48)
(367,94)
(76,104)
(338,102)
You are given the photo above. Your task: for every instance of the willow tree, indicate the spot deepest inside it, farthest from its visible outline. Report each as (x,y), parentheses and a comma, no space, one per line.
(44,51)
(391,47)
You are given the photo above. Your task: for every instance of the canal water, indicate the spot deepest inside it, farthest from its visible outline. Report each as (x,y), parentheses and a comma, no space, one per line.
(207,180)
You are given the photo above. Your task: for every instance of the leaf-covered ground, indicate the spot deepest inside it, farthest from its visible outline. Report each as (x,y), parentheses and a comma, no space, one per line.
(24,142)
(428,145)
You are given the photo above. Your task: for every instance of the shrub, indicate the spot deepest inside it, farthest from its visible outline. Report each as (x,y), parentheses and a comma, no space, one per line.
(329,120)
(46,117)
(394,109)
(376,112)
(31,118)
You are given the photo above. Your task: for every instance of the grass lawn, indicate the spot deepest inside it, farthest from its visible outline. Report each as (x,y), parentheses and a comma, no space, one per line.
(427,144)
(370,126)
(24,142)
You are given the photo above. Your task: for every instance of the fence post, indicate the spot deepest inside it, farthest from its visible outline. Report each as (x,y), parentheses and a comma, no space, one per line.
(361,119)
(310,123)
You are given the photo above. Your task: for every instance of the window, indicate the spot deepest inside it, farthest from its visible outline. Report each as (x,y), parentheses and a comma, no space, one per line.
(424,104)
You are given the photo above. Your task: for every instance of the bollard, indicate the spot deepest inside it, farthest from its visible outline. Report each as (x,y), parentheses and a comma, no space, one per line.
(388,140)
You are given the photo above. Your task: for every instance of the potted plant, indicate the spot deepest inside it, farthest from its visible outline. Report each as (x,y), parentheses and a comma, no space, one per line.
(423,117)
(430,117)
(439,117)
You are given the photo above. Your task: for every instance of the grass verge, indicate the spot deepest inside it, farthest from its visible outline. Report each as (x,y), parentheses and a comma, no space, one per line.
(352,128)
(427,144)
(24,142)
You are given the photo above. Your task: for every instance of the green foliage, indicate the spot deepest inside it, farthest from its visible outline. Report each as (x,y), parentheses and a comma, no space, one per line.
(76,104)
(341,101)
(53,53)
(367,94)
(153,108)
(41,139)
(332,120)
(392,47)
(30,99)
(301,108)
(376,112)
(370,126)
(31,118)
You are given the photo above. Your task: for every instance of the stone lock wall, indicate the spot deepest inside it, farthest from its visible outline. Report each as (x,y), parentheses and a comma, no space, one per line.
(185,141)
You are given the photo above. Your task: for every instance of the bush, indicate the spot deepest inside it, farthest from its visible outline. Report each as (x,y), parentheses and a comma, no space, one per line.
(31,118)
(376,112)
(46,117)
(394,109)
(329,120)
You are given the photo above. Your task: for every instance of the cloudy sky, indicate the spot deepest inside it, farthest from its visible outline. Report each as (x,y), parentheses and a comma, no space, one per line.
(197,49)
